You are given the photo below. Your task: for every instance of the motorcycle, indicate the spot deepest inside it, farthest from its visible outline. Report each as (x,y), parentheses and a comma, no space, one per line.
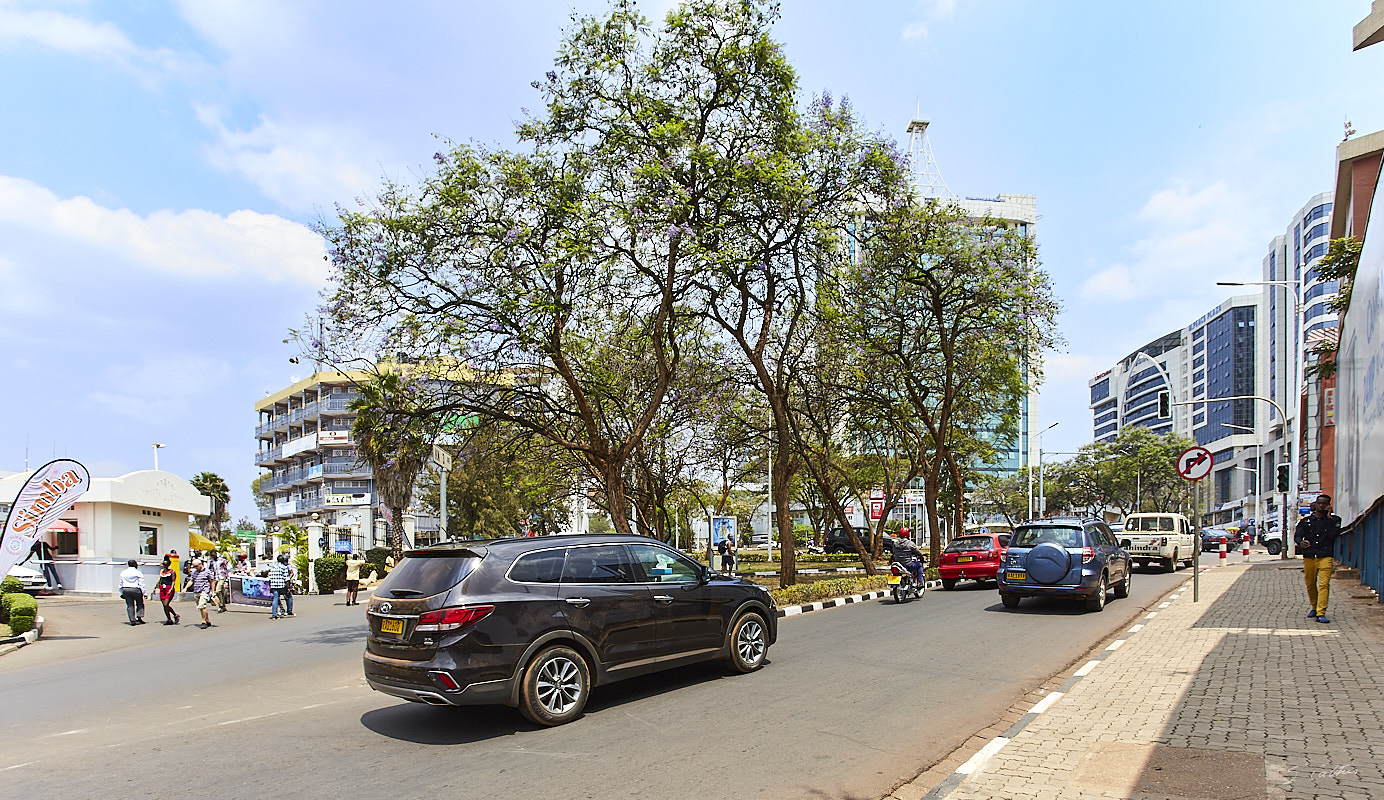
(903,582)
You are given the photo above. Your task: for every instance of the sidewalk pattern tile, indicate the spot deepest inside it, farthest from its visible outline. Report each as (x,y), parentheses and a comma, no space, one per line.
(1239,695)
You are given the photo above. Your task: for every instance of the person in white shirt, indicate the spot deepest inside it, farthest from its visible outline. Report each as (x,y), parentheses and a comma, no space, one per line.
(132,589)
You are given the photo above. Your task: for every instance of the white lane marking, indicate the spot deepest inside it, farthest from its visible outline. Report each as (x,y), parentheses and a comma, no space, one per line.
(1151,615)
(1137,628)
(1085,669)
(991,748)
(17,766)
(1045,703)
(67,733)
(1115,645)
(1164,605)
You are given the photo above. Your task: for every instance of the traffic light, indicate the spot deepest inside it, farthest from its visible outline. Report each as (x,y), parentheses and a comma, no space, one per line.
(1284,477)
(1165,405)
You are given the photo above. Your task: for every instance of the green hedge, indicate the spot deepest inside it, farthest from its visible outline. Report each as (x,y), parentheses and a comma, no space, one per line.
(826,590)
(19,610)
(374,558)
(330,570)
(10,585)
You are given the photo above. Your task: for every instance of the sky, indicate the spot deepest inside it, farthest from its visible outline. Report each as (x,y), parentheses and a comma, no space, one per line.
(163,166)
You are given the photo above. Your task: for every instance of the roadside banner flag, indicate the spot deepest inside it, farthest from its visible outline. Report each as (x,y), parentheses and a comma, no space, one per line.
(50,491)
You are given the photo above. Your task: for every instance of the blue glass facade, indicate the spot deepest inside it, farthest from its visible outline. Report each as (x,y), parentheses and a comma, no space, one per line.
(1230,350)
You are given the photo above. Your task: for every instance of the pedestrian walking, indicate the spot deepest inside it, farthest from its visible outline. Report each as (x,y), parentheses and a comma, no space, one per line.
(281,585)
(723,550)
(165,591)
(221,577)
(1315,540)
(730,555)
(201,585)
(132,589)
(353,562)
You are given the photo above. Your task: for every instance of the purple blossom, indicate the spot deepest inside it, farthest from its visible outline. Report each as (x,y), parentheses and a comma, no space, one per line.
(511,235)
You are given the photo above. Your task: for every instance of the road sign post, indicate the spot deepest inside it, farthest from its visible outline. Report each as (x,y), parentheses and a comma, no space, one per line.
(1194,464)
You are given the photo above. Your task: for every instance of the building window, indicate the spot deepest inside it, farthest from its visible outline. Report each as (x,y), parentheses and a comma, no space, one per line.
(148,540)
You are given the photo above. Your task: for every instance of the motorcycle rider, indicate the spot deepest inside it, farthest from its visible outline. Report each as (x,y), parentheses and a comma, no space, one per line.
(908,554)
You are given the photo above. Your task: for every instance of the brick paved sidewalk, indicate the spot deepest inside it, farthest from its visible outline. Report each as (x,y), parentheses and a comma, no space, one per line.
(1238,696)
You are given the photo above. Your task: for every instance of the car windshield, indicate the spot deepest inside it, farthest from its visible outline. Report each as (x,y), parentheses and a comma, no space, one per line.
(968,544)
(1149,524)
(1038,534)
(426,573)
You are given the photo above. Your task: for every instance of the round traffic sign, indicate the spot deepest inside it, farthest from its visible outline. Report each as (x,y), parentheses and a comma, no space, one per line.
(1194,463)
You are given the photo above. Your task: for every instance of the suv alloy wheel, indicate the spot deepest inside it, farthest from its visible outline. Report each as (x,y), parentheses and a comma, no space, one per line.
(556,686)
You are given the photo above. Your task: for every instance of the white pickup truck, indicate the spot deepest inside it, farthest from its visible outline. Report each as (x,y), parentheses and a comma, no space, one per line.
(1165,538)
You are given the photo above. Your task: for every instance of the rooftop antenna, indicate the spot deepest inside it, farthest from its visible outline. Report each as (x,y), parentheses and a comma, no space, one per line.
(927,179)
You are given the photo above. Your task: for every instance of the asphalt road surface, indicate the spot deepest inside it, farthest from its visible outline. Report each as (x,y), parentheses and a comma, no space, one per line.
(853,701)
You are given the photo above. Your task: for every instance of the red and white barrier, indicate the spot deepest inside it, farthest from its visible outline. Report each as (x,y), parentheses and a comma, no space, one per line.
(1223,550)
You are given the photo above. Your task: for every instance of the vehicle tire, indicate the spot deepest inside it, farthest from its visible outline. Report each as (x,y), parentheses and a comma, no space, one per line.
(1009,600)
(1275,547)
(1170,564)
(949,583)
(1122,588)
(1096,602)
(748,642)
(898,594)
(556,685)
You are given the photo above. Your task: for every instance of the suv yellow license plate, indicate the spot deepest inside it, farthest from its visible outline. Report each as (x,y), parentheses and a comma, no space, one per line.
(1015,575)
(392,626)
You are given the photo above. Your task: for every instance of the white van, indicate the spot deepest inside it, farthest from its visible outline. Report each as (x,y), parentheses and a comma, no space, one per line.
(1155,536)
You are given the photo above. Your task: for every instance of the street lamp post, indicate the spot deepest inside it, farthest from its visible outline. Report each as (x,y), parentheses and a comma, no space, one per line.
(1296,396)
(1041,496)
(1258,465)
(157,446)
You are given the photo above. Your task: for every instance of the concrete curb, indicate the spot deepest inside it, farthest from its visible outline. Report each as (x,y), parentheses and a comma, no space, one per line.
(793,611)
(28,637)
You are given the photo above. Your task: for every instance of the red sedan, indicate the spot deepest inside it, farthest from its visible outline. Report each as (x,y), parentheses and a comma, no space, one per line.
(974,557)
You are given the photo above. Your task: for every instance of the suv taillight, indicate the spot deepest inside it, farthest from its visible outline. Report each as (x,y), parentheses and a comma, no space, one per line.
(449,619)
(1088,554)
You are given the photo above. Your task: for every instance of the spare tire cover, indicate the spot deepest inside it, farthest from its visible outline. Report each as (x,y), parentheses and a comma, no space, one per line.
(1048,563)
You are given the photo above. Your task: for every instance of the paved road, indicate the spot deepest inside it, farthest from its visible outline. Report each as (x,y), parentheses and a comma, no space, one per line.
(854,700)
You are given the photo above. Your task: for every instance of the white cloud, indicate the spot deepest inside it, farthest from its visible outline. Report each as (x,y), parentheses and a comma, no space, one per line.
(187,243)
(158,391)
(300,166)
(101,41)
(932,11)
(1192,235)
(1067,366)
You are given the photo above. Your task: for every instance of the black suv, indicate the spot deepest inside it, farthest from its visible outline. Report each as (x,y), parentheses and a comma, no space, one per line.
(1064,558)
(537,622)
(839,541)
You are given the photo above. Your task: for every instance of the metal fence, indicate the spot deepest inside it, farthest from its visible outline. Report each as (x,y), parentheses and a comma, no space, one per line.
(1362,548)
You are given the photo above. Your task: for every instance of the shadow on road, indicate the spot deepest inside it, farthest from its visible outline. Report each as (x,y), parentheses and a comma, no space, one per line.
(437,725)
(336,636)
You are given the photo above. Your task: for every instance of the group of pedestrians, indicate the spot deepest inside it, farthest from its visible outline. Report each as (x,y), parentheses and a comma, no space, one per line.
(208,578)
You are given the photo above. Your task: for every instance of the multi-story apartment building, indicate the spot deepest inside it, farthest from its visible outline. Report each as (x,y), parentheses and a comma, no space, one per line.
(305,442)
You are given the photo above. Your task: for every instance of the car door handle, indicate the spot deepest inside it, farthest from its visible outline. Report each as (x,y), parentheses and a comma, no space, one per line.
(663,598)
(579,602)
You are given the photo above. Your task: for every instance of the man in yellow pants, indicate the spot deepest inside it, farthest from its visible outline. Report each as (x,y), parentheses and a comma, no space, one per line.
(1315,538)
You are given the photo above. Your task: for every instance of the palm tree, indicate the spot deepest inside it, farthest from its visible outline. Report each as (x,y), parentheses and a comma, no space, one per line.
(393,436)
(211,485)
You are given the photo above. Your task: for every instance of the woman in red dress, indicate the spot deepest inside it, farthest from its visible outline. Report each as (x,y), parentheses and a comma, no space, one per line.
(166,592)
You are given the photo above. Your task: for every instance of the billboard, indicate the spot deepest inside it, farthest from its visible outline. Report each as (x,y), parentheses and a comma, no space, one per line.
(50,491)
(1359,400)
(722,528)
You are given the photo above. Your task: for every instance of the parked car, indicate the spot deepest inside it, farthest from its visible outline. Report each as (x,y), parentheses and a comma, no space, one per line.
(1159,537)
(1068,557)
(32,579)
(1211,539)
(838,541)
(974,557)
(537,623)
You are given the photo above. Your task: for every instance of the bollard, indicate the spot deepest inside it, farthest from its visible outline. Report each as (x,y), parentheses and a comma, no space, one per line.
(1223,551)
(1245,551)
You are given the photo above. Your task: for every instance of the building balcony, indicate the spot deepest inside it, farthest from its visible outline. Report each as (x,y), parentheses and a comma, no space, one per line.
(338,404)
(347,468)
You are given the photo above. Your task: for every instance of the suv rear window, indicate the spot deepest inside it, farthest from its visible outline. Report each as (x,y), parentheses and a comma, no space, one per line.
(1149,524)
(968,544)
(544,566)
(426,573)
(1038,534)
